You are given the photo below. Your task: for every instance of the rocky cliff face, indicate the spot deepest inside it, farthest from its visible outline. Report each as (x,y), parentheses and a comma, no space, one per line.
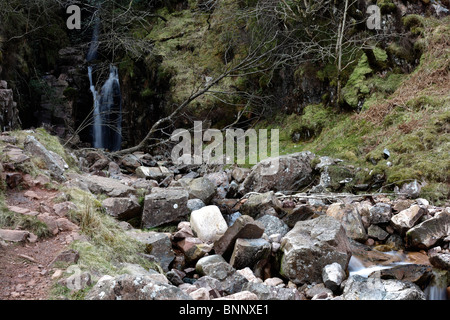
(9,114)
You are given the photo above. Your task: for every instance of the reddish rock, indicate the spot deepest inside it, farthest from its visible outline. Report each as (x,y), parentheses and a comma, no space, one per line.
(244,227)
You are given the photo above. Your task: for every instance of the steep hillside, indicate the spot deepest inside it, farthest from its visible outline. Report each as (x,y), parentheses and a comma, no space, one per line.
(408,115)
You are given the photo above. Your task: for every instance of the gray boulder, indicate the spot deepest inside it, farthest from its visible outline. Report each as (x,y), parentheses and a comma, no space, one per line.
(239,174)
(214,266)
(247,252)
(122,208)
(377,233)
(157,244)
(195,204)
(153,173)
(108,186)
(299,213)
(333,275)
(380,213)
(259,204)
(284,173)
(202,188)
(428,233)
(129,287)
(218,274)
(14,235)
(310,246)
(408,218)
(360,288)
(441,261)
(163,206)
(54,163)
(231,284)
(273,225)
(415,273)
(350,218)
(265,292)
(412,189)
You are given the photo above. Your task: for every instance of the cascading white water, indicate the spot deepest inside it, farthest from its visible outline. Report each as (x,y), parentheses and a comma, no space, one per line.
(97,125)
(434,291)
(110,106)
(107,114)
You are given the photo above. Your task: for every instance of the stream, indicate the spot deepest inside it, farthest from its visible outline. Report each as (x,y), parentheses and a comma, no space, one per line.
(433,291)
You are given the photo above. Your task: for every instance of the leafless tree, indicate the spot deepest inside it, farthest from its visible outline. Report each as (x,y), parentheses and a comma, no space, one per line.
(258,59)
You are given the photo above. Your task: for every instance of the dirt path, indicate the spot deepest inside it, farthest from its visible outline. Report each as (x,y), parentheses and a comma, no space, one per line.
(24,267)
(24,273)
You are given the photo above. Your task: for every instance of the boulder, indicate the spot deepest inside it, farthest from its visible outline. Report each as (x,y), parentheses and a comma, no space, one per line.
(200,294)
(153,173)
(193,249)
(157,244)
(14,235)
(122,208)
(412,189)
(240,296)
(284,173)
(273,225)
(163,206)
(107,186)
(202,188)
(377,233)
(260,204)
(183,231)
(360,288)
(333,275)
(138,270)
(406,219)
(415,273)
(244,227)
(14,154)
(13,179)
(214,266)
(54,163)
(220,182)
(380,213)
(248,274)
(231,284)
(66,225)
(130,162)
(63,208)
(299,213)
(310,246)
(208,223)
(99,165)
(239,174)
(350,218)
(274,282)
(129,287)
(428,233)
(195,204)
(265,292)
(68,257)
(441,260)
(317,290)
(247,252)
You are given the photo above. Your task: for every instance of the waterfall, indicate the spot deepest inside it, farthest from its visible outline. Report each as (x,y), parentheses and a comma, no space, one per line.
(97,125)
(436,290)
(107,114)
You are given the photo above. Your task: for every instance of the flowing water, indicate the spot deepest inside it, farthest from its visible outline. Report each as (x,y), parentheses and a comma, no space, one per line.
(434,291)
(107,114)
